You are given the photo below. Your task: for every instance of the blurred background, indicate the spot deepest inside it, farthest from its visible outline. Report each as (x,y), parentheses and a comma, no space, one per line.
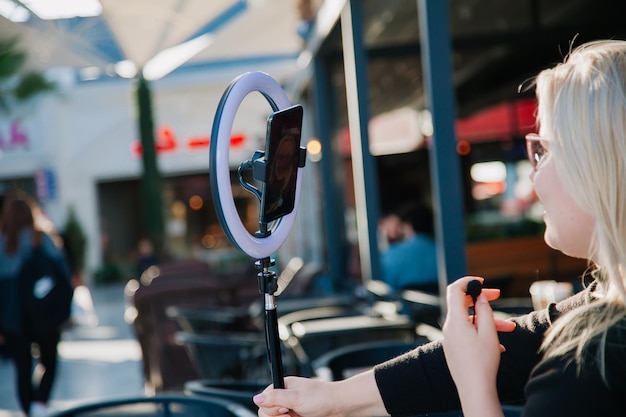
(107,111)
(78,146)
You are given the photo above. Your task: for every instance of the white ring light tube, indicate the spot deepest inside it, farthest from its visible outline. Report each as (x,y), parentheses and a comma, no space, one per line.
(219,168)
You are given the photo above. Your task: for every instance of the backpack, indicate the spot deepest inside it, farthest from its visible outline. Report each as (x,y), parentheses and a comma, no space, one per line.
(45,293)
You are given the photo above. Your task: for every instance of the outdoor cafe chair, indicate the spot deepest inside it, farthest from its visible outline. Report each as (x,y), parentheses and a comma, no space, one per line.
(162,405)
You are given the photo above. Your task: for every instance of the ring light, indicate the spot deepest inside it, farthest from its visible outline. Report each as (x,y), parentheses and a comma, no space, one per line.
(219,168)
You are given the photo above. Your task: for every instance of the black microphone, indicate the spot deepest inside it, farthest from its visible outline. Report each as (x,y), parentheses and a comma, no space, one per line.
(474,287)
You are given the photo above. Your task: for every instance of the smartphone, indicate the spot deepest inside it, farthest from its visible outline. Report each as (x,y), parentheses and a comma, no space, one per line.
(282,151)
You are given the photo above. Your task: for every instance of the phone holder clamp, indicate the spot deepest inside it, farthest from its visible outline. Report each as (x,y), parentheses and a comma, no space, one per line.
(257,164)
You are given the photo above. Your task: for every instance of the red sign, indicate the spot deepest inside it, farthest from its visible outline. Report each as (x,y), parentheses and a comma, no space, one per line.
(166,142)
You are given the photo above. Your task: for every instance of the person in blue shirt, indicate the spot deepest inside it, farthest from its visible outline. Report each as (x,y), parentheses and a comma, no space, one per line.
(411,261)
(19,234)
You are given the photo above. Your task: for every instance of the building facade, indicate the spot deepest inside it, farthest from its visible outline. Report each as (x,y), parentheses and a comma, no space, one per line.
(78,148)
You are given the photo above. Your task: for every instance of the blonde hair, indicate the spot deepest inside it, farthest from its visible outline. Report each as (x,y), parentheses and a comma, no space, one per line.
(582,110)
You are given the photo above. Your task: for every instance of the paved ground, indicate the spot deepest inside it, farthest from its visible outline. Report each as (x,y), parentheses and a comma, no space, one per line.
(95,362)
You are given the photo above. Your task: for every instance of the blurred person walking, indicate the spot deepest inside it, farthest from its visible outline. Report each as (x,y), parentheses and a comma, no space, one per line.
(20,242)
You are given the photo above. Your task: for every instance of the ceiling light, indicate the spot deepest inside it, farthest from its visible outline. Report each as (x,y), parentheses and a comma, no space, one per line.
(63,9)
(126,69)
(14,12)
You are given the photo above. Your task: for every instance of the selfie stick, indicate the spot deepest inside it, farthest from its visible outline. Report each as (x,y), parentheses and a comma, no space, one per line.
(264,243)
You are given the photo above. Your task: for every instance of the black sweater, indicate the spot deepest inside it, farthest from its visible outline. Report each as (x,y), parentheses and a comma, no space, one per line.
(419,381)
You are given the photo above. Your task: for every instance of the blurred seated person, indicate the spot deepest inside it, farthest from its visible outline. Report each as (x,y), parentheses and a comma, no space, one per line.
(410,261)
(390,229)
(146,255)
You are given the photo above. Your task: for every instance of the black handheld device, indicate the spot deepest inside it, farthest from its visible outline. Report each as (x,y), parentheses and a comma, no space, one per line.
(282,153)
(474,288)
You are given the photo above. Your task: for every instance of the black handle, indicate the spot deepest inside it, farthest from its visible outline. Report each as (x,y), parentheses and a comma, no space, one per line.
(273,348)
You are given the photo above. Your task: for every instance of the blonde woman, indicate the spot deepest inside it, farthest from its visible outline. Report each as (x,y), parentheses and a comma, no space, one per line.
(579,159)
(567,360)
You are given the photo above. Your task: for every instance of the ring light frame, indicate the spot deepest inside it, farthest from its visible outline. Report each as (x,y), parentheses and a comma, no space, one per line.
(219,169)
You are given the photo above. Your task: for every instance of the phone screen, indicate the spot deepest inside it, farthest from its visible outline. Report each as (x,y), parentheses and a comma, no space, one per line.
(282,150)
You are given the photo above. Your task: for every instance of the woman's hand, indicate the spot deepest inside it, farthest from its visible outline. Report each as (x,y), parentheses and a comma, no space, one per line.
(299,394)
(304,397)
(473,350)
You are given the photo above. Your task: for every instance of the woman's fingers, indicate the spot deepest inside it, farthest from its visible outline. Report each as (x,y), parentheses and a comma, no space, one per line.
(491,293)
(272,402)
(484,316)
(501,325)
(504,325)
(459,289)
(457,298)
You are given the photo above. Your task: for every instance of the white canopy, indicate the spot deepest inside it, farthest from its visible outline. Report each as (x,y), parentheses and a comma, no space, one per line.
(213,30)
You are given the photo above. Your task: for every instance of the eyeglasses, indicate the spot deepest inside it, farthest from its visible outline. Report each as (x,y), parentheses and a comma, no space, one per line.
(535,149)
